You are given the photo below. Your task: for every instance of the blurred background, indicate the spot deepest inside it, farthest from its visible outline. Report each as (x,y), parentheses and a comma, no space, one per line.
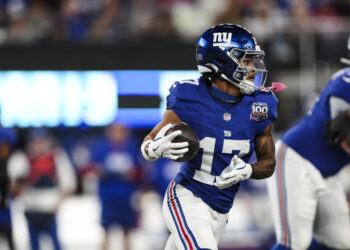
(83,81)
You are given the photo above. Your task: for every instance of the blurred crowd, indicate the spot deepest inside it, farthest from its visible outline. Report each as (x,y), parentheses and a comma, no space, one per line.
(117,21)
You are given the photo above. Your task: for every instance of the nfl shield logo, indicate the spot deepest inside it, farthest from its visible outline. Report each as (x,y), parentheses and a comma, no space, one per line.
(227,116)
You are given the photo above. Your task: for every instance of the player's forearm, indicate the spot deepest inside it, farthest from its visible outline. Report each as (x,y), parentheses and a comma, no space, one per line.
(263,168)
(265,152)
(147,138)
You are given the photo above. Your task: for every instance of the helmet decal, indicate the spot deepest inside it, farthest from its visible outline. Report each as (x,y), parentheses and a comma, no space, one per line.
(222,39)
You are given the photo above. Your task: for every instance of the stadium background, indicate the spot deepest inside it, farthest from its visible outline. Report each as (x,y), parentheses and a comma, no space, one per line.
(303,41)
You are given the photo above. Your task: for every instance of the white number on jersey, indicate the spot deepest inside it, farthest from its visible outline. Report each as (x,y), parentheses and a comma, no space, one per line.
(190,81)
(208,145)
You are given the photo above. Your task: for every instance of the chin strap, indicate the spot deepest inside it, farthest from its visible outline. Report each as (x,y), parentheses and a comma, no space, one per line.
(246,87)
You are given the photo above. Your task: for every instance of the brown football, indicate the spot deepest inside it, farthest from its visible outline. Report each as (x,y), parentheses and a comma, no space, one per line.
(188,135)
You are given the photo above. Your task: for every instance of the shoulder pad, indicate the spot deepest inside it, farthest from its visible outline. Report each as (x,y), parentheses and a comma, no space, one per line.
(265,90)
(339,85)
(270,99)
(186,89)
(268,96)
(339,74)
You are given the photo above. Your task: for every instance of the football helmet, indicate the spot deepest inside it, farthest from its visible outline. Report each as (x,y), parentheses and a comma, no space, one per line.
(231,53)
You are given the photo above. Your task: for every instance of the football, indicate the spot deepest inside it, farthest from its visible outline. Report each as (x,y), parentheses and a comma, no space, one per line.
(188,135)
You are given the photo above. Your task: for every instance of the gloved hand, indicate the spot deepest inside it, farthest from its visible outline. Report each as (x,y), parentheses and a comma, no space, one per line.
(163,147)
(238,171)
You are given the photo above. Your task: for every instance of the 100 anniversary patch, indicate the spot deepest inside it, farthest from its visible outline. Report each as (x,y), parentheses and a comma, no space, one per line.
(259,111)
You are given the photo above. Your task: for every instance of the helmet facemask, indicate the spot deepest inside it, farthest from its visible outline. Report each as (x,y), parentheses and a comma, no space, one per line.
(251,73)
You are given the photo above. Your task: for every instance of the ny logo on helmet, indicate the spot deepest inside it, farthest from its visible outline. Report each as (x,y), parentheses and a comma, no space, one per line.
(222,39)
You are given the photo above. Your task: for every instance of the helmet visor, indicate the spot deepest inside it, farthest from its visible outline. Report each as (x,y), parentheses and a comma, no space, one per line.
(260,79)
(251,66)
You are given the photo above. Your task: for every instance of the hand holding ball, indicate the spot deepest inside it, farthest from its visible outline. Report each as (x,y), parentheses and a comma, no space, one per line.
(187,135)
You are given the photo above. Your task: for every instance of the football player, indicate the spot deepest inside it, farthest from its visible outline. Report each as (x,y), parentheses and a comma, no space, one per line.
(232,115)
(308,201)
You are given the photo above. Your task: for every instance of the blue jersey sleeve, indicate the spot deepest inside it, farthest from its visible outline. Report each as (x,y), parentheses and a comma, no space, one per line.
(171,100)
(183,94)
(185,89)
(272,101)
(273,104)
(339,85)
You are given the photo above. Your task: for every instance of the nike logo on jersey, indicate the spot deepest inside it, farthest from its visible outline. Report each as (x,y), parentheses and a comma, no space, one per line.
(346,79)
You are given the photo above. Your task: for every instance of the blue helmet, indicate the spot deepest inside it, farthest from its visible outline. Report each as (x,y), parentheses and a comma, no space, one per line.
(222,49)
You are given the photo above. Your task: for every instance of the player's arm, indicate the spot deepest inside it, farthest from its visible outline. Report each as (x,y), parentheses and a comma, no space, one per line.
(169,117)
(265,153)
(158,145)
(345,144)
(338,130)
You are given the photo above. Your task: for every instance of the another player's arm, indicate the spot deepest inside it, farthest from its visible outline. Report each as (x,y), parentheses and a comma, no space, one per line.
(338,130)
(168,117)
(265,153)
(345,143)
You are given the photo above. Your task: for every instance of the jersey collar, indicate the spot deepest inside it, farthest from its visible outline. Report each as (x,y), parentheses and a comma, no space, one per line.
(222,96)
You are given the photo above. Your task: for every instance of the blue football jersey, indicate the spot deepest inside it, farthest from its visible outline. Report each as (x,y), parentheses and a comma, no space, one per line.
(307,136)
(224,130)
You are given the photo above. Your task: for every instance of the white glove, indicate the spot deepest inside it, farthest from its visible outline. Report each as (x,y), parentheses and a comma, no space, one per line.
(163,147)
(239,171)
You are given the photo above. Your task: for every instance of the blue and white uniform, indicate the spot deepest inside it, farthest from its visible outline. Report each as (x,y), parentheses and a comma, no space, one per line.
(224,130)
(307,198)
